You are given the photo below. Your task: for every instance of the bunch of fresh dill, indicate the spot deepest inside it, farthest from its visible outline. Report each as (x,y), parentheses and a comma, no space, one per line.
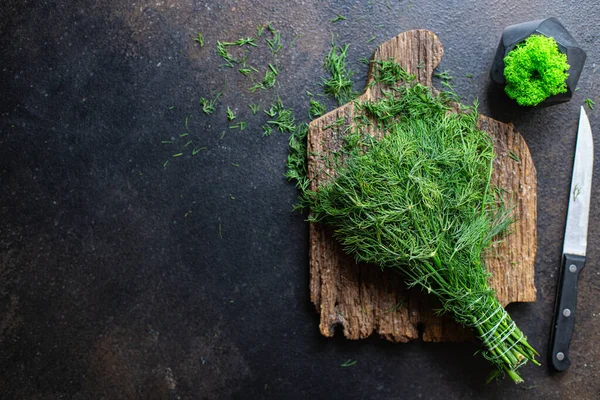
(420,200)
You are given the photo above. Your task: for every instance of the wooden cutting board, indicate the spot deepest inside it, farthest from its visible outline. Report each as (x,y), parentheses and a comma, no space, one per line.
(361,299)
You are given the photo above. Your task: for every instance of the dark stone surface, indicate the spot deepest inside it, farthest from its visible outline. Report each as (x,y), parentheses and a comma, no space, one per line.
(115,278)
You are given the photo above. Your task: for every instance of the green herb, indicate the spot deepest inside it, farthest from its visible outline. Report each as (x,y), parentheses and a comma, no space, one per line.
(171,108)
(188,143)
(245,71)
(231,196)
(444,75)
(259,30)
(165,164)
(184,134)
(235,164)
(241,126)
(197,150)
(230,114)
(294,39)
(270,76)
(177,155)
(421,64)
(420,200)
(296,161)
(338,18)
(535,70)
(372,39)
(256,87)
(200,39)
(254,108)
(364,60)
(166,141)
(514,156)
(316,109)
(395,307)
(284,119)
(349,363)
(224,54)
(208,105)
(220,231)
(470,76)
(274,43)
(267,130)
(249,41)
(590,103)
(389,72)
(339,85)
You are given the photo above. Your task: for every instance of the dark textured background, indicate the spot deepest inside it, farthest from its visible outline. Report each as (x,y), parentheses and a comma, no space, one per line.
(109,290)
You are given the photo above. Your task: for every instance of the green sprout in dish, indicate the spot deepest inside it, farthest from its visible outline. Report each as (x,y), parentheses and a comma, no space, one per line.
(535,70)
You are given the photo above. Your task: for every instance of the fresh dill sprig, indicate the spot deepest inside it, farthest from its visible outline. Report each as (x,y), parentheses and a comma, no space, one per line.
(274,43)
(590,103)
(372,39)
(297,169)
(270,76)
(338,18)
(259,30)
(348,363)
(240,125)
(200,39)
(364,60)
(316,109)
(230,114)
(339,84)
(420,200)
(390,73)
(254,108)
(283,118)
(208,105)
(224,54)
(445,75)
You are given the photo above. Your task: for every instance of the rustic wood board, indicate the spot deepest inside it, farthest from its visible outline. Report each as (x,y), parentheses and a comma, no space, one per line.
(361,299)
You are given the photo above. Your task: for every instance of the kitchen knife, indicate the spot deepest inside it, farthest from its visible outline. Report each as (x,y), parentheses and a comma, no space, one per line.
(574,247)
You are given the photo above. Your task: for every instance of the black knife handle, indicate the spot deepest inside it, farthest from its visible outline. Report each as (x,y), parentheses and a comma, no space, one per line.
(564,313)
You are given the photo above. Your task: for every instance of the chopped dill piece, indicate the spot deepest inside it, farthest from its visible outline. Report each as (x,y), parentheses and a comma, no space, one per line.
(590,103)
(249,41)
(245,71)
(197,150)
(188,143)
(177,155)
(395,307)
(184,134)
(335,124)
(274,43)
(220,231)
(241,126)
(348,363)
(171,108)
(231,196)
(316,109)
(187,213)
(267,130)
(296,161)
(222,135)
(273,69)
(379,26)
(372,39)
(208,105)
(283,121)
(259,30)
(295,38)
(224,54)
(390,73)
(165,164)
(186,122)
(421,64)
(256,87)
(254,107)
(230,114)
(235,164)
(470,76)
(338,18)
(514,156)
(444,75)
(200,39)
(364,60)
(339,84)
(166,141)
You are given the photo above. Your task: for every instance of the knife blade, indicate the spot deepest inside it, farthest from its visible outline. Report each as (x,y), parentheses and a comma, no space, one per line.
(574,246)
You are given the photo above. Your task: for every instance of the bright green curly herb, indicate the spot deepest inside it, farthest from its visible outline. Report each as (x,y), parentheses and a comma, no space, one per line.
(535,70)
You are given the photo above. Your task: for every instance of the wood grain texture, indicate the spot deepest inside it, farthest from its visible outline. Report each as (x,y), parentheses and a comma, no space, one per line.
(361,299)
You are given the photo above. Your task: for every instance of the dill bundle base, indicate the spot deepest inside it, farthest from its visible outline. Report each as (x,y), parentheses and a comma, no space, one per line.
(420,200)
